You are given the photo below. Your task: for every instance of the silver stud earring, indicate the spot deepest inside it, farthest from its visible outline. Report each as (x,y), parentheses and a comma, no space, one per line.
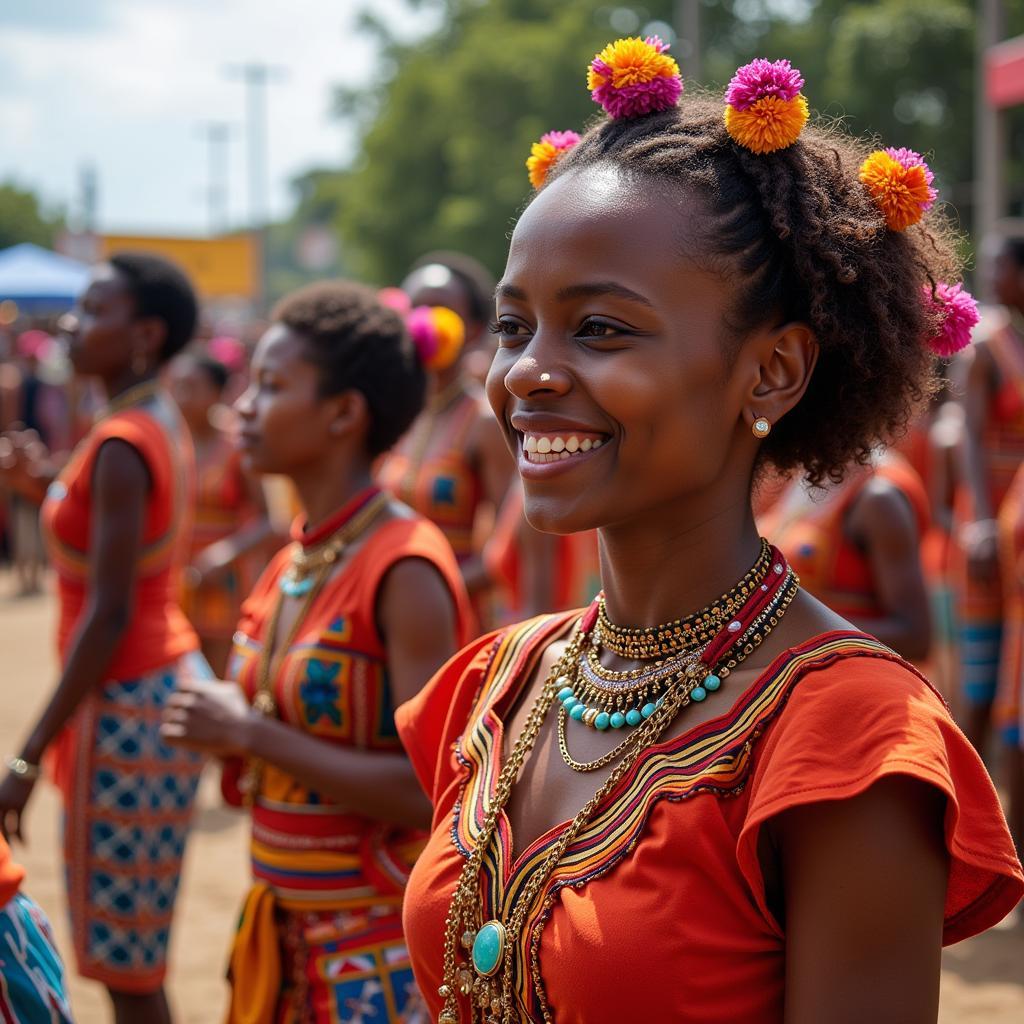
(760,427)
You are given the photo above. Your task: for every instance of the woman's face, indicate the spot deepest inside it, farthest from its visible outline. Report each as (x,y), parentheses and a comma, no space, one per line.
(611,379)
(285,425)
(1007,278)
(102,335)
(192,389)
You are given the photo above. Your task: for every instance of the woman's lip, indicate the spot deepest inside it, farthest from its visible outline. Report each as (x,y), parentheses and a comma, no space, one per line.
(541,470)
(247,439)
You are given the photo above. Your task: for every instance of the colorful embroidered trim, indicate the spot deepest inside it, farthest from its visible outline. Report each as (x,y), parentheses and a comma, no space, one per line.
(765,110)
(544,153)
(900,183)
(632,77)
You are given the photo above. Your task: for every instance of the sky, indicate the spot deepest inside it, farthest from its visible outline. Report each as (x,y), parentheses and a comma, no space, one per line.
(126,86)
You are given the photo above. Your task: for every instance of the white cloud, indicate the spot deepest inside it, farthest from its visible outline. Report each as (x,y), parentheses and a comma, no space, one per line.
(128,89)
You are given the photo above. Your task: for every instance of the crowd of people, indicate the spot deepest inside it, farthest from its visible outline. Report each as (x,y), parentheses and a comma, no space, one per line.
(703,404)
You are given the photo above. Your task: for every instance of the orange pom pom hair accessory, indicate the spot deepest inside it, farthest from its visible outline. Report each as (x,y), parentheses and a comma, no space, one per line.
(438,334)
(765,110)
(900,183)
(544,153)
(632,77)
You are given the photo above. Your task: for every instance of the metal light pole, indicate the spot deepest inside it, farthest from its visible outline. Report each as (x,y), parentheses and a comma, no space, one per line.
(989,128)
(216,134)
(256,76)
(687,26)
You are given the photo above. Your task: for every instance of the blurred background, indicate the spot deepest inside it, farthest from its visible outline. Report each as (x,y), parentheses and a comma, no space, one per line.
(264,145)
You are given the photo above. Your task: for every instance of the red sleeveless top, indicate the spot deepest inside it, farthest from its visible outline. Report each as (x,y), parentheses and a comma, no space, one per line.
(825,721)
(158,632)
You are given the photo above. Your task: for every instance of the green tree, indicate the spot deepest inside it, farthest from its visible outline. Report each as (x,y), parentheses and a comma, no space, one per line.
(445,132)
(22,218)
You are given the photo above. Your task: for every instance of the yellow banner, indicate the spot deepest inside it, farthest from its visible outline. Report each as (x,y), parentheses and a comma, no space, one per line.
(220,268)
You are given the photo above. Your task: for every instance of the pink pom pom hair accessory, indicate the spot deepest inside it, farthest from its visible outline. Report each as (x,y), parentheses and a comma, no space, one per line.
(957,312)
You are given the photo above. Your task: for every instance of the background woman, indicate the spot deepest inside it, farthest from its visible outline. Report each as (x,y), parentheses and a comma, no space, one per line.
(348,621)
(689,296)
(229,514)
(452,466)
(116,524)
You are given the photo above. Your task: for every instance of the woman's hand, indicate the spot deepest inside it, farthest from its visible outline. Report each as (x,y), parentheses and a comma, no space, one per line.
(208,715)
(981,542)
(14,793)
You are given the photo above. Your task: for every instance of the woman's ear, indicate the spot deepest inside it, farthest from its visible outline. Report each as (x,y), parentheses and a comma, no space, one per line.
(786,358)
(349,414)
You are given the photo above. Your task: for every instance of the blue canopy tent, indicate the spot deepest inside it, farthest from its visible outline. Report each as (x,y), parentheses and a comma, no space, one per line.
(38,280)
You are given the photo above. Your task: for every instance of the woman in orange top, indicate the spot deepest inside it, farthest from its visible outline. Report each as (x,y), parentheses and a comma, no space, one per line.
(992,451)
(116,524)
(229,515)
(686,309)
(856,546)
(350,620)
(452,466)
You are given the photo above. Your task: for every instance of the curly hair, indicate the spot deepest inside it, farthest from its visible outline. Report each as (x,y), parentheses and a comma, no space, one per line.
(358,344)
(160,289)
(803,241)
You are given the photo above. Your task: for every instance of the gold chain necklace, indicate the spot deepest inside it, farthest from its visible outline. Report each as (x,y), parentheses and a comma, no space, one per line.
(331,550)
(135,395)
(660,641)
(490,946)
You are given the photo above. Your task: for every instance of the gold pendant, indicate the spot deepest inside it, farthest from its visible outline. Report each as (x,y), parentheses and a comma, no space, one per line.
(265,704)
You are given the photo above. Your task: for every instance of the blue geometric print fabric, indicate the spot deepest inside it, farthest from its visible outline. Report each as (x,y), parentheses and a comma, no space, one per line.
(125,832)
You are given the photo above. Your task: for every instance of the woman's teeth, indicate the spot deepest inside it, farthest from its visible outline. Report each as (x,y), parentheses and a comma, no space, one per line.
(555,447)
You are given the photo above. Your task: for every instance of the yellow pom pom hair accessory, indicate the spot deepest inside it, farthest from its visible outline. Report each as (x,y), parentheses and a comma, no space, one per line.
(544,153)
(900,183)
(438,334)
(765,110)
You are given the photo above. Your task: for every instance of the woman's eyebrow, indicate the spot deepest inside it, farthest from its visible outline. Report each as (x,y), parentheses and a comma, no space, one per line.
(582,291)
(577,291)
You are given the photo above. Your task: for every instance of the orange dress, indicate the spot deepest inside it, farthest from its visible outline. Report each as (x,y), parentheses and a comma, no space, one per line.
(428,470)
(811,533)
(223,506)
(331,882)
(979,604)
(127,795)
(1008,710)
(666,848)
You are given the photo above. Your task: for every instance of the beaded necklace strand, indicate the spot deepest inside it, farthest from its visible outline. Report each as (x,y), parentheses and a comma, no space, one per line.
(488,976)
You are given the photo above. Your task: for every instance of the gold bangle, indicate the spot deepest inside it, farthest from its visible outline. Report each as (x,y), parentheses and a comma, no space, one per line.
(23,769)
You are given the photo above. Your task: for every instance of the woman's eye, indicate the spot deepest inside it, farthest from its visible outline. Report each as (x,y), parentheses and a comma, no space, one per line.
(508,328)
(598,329)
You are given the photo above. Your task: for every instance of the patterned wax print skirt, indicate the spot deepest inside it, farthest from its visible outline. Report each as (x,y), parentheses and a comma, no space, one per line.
(128,802)
(31,973)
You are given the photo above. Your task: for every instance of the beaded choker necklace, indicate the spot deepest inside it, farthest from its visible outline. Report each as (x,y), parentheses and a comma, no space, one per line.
(479,956)
(321,546)
(685,633)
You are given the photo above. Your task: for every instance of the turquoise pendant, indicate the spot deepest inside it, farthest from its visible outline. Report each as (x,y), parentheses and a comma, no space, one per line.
(295,588)
(489,948)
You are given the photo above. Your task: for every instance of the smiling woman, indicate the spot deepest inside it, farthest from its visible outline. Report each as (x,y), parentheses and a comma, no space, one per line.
(687,298)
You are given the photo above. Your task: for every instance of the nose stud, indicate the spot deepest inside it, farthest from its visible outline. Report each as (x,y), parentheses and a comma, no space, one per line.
(545,377)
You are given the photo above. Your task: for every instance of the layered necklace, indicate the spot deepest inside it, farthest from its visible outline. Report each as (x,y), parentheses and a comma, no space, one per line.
(689,659)
(314,553)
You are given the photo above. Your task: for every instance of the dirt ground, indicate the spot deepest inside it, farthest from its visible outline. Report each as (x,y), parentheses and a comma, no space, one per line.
(982,979)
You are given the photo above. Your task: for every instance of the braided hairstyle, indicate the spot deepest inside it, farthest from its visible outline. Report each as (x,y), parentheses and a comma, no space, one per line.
(358,344)
(804,242)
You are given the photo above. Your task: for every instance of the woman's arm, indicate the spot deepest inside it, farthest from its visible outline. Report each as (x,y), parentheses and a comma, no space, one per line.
(881,522)
(120,485)
(864,886)
(980,536)
(416,613)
